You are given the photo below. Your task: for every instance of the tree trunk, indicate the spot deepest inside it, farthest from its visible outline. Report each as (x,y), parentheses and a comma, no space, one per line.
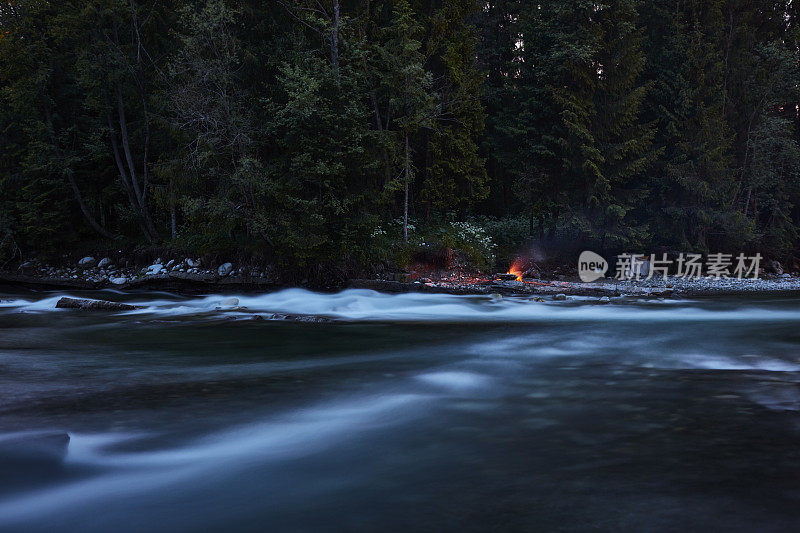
(172,214)
(86,214)
(71,179)
(335,40)
(136,189)
(139,190)
(405,201)
(126,183)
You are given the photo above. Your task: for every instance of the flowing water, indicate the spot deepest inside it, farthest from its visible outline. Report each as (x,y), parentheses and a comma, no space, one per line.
(411,412)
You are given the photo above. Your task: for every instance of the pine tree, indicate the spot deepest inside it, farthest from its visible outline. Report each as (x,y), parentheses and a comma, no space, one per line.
(43,118)
(761,59)
(456,176)
(691,182)
(410,89)
(558,169)
(322,173)
(623,138)
(498,57)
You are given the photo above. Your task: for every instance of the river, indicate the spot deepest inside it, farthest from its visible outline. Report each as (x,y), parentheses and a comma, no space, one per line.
(411,412)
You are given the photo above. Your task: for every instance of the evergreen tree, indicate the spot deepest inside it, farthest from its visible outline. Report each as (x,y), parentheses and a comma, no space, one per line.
(294,128)
(691,182)
(499,58)
(456,177)
(410,89)
(623,138)
(584,149)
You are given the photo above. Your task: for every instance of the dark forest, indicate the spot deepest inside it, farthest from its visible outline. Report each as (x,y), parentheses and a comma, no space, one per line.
(307,131)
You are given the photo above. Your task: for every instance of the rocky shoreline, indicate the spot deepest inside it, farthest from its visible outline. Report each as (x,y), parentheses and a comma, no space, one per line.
(182,276)
(178,278)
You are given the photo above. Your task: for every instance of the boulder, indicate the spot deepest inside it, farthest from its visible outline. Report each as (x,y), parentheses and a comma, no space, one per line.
(152,270)
(532,273)
(170,264)
(87,262)
(21,453)
(191,263)
(118,280)
(93,305)
(560,297)
(225,269)
(410,277)
(104,263)
(29,267)
(774,267)
(605,300)
(230,302)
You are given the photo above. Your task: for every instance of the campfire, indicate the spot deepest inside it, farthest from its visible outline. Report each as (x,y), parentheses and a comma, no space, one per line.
(520,270)
(449,271)
(517,270)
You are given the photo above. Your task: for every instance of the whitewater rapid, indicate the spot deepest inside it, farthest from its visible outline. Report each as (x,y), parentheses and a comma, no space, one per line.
(359,305)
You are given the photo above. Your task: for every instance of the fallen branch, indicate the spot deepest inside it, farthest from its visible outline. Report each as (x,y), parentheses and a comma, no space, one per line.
(93,305)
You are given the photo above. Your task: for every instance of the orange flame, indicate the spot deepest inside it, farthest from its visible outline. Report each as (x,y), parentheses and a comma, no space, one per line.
(517,269)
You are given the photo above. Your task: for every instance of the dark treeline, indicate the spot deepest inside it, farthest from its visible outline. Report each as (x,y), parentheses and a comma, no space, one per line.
(306,129)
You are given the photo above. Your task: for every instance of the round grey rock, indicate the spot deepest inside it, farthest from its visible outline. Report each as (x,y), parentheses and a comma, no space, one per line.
(87,262)
(225,269)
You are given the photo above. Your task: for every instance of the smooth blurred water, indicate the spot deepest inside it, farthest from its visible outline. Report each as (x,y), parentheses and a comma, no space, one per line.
(412,412)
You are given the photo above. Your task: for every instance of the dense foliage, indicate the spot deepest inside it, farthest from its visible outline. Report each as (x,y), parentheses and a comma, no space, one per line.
(313,130)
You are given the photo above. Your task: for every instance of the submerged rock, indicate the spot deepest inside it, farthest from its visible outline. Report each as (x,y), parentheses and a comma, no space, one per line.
(33,449)
(230,302)
(560,297)
(93,305)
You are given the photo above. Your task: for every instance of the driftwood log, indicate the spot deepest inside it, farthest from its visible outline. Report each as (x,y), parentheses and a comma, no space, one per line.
(93,305)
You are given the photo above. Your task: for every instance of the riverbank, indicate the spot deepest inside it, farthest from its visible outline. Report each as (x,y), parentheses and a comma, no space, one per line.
(210,281)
